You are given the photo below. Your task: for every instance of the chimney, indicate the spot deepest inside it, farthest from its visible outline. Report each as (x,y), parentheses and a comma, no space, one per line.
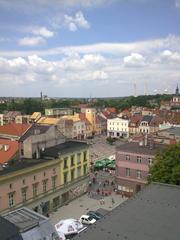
(6,147)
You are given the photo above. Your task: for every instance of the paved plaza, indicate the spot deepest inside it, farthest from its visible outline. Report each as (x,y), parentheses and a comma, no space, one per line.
(105,198)
(100,193)
(82,205)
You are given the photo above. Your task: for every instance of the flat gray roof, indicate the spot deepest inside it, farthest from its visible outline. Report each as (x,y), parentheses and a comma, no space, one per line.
(172,130)
(152,214)
(134,147)
(24,218)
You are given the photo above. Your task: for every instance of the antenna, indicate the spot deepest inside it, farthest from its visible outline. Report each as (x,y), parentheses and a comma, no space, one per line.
(135,90)
(145,88)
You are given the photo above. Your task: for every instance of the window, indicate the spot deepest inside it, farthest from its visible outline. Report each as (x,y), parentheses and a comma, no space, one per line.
(150,161)
(35,189)
(72,160)
(85,156)
(78,158)
(56,202)
(85,169)
(72,174)
(138,159)
(11,199)
(127,157)
(65,177)
(138,174)
(45,185)
(78,171)
(54,182)
(127,172)
(65,163)
(24,194)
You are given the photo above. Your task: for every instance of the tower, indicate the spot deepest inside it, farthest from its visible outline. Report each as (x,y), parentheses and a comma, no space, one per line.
(177,90)
(135,90)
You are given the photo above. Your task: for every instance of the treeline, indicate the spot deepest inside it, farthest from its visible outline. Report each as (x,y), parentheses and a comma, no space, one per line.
(30,105)
(150,101)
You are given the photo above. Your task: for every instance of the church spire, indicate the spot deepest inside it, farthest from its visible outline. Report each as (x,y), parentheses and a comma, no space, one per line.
(177,90)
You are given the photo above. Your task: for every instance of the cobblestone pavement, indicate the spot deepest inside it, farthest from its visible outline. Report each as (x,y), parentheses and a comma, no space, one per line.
(91,201)
(82,205)
(99,148)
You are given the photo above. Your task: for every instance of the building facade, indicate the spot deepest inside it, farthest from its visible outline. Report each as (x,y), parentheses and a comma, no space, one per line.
(132,165)
(47,183)
(118,127)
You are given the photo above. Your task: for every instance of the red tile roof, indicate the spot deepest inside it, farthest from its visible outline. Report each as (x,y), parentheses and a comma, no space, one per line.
(8,150)
(111,109)
(107,115)
(14,129)
(135,120)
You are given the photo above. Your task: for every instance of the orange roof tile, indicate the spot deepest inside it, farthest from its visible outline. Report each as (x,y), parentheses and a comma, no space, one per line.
(14,129)
(8,152)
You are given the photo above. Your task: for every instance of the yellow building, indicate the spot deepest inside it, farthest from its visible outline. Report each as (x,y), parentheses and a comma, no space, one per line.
(48,121)
(47,183)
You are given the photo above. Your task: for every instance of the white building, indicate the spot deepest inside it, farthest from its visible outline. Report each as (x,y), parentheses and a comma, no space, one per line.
(79,129)
(117,127)
(1,119)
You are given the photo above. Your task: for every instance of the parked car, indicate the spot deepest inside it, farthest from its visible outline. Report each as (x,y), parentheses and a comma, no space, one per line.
(95,215)
(86,219)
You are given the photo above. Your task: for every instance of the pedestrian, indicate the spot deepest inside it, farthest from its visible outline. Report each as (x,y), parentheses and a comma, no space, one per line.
(113,200)
(104,185)
(99,183)
(90,184)
(98,191)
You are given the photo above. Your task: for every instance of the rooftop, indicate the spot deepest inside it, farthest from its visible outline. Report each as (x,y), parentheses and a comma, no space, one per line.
(24,218)
(48,121)
(147,119)
(64,148)
(135,147)
(35,129)
(48,155)
(172,130)
(14,129)
(151,214)
(8,150)
(20,165)
(8,230)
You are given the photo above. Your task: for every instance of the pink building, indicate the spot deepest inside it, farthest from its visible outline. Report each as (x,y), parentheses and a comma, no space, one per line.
(132,165)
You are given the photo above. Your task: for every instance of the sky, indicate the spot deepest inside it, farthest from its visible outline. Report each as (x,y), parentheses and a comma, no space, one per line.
(83,48)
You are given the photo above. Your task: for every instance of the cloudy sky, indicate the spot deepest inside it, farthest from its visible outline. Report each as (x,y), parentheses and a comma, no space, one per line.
(78,48)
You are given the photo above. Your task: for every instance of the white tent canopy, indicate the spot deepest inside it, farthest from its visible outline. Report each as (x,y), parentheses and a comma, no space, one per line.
(69,226)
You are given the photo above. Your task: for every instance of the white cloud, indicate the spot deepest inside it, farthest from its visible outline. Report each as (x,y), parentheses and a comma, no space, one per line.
(31,41)
(78,21)
(118,65)
(43,31)
(148,47)
(170,57)
(134,60)
(38,5)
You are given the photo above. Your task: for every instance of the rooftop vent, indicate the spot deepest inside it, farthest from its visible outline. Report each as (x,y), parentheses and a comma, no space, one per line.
(6,148)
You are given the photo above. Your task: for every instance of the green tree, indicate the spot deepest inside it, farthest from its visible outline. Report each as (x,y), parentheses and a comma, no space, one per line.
(166,168)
